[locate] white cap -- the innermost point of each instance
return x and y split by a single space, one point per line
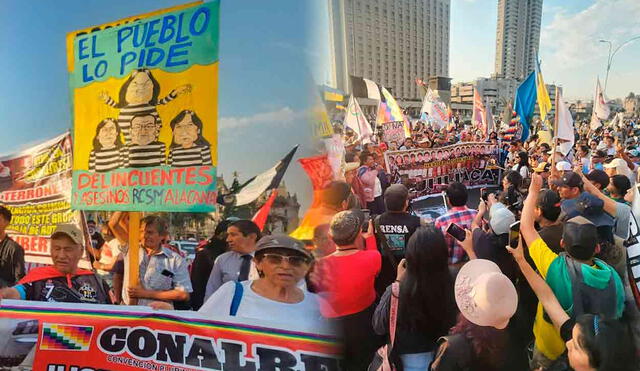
563 166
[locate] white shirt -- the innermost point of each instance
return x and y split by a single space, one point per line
109 254
300 315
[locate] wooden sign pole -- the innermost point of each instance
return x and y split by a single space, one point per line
134 252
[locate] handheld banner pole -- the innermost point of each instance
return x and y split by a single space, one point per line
134 253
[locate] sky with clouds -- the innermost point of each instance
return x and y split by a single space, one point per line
264 79
570 52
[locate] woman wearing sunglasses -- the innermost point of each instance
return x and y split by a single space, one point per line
282 262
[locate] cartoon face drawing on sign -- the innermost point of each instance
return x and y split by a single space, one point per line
139 95
145 149
188 146
106 154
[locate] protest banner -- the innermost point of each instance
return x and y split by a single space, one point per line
424 171
144 92
35 185
394 132
66 337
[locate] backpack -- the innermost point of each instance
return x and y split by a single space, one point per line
587 299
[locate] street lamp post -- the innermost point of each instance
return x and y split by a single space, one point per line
611 55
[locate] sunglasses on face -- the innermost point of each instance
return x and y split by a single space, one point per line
293 260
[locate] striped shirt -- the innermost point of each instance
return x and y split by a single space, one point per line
102 160
129 111
194 156
145 156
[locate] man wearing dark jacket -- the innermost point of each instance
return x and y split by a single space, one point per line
11 254
203 263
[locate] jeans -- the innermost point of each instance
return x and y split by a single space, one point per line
416 361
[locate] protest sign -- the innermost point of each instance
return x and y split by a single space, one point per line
144 93
424 171
35 185
394 132
65 337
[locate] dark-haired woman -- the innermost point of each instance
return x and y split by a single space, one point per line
511 195
426 305
139 95
188 146
106 154
593 343
522 167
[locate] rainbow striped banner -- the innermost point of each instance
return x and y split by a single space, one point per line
139 338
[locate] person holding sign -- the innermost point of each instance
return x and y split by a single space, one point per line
63 281
139 96
164 275
188 147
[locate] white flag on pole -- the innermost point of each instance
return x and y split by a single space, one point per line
565 126
600 106
595 121
355 120
435 108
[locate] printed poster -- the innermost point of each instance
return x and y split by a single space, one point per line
425 171
144 92
71 337
35 185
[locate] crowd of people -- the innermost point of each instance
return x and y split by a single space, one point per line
532 277
539 279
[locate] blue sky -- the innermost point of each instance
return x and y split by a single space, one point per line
264 79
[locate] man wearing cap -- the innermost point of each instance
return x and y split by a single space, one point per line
63 281
582 283
599 179
396 225
543 169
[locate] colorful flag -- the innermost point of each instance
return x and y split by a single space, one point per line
525 102
389 111
322 127
270 179
565 129
600 106
260 218
354 119
543 96
478 117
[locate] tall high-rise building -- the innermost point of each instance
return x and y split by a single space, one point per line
517 37
391 42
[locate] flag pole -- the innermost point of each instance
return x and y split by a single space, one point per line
134 253
555 132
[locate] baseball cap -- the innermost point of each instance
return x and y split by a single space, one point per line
580 237
549 204
569 179
599 177
634 153
589 207
69 230
615 163
282 241
542 167
500 218
563 166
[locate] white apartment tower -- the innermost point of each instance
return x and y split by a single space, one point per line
392 42
517 37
